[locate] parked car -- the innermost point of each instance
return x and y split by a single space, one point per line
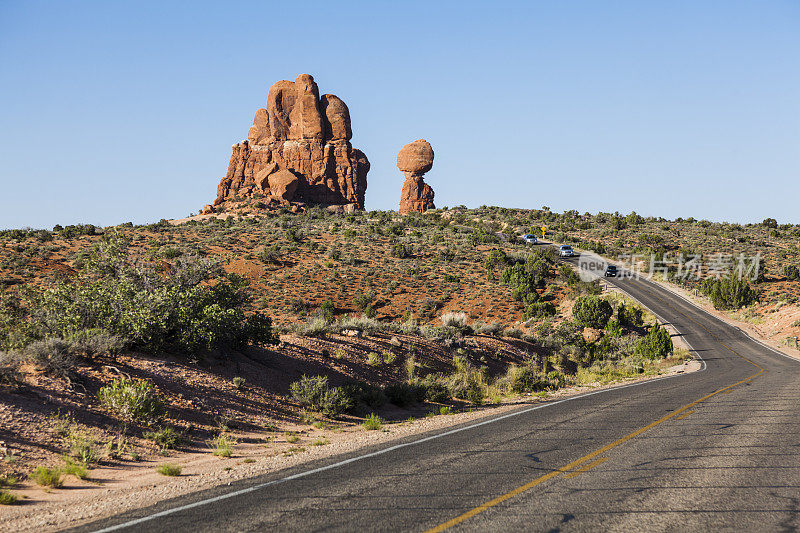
566 250
611 271
530 238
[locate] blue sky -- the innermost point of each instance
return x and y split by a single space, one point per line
114 111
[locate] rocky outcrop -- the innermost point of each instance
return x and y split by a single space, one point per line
297 150
414 160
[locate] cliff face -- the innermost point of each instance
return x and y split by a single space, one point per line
302 134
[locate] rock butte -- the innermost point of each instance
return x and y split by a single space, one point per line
297 152
414 160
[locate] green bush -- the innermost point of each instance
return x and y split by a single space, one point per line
48 477
166 438
436 391
327 310
222 445
592 312
656 344
6 498
366 393
315 393
402 251
372 422
729 293
169 469
174 310
791 272
134 400
405 394
630 316
540 310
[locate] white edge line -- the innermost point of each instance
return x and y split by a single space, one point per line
367 456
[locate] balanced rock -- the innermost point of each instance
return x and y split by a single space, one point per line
414 160
298 149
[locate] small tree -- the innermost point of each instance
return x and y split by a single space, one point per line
592 312
657 343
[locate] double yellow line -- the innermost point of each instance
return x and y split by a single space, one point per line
578 462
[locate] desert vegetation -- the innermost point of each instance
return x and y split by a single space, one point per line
152 337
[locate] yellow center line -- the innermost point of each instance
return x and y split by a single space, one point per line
585 468
684 415
588 457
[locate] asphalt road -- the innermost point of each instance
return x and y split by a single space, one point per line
714 449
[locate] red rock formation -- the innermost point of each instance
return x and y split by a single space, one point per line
414 160
303 135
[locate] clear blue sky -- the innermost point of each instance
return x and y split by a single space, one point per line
114 112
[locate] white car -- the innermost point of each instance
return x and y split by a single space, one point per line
530 238
566 250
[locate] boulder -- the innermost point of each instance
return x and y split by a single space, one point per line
283 184
414 160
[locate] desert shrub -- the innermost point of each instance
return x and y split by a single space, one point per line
522 379
155 310
455 320
222 445
363 300
75 468
372 422
657 343
48 477
327 310
467 382
791 272
6 498
402 251
568 274
729 293
436 391
52 355
429 306
366 393
361 323
405 394
169 469
770 223
134 400
94 341
315 327
592 312
165 438
9 366
490 328
315 393
540 310
374 359
630 316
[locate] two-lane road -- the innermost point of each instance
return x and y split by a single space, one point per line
714 449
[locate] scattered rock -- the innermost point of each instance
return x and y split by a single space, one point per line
414 160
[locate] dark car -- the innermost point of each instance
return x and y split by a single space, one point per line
611 271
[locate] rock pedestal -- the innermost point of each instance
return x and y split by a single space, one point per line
414 160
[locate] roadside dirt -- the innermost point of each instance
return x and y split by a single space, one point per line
113 490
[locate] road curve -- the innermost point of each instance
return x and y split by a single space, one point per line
715 449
